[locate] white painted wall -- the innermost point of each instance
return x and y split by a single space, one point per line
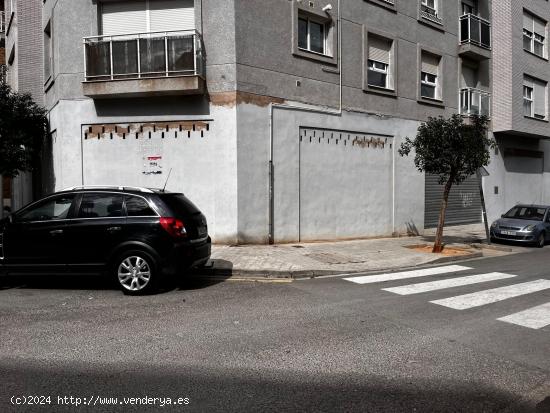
204 168
374 174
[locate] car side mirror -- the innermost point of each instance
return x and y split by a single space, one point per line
502 216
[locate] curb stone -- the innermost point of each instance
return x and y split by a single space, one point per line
305 274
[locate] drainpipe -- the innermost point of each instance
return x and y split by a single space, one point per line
283 106
393 187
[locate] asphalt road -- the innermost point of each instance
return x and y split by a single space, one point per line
313 345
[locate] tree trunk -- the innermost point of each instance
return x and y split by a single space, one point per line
438 246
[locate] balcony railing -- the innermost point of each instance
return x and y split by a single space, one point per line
430 13
475 102
475 30
143 55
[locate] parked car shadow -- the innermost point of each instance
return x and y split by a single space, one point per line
193 279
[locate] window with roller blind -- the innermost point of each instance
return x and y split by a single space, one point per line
430 78
380 65
534 34
535 98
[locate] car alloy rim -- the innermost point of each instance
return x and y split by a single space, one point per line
134 273
541 240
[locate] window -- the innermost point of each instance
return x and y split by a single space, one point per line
138 207
469 7
429 6
100 206
429 76
428 85
49 209
527 101
534 98
48 57
534 34
379 62
312 35
378 74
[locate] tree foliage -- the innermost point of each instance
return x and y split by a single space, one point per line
449 148
23 128
452 150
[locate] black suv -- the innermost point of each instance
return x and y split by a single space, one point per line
135 234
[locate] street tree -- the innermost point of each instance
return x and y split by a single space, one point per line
452 150
23 128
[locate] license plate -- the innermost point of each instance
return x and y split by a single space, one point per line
509 232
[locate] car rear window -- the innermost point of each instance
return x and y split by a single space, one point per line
180 204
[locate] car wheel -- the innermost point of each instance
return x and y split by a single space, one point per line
541 240
136 272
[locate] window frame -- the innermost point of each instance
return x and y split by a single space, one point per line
434 84
532 84
385 72
529 33
301 11
428 8
308 49
528 100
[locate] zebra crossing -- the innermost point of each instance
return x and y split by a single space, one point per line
534 318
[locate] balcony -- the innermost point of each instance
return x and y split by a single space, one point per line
144 64
475 102
475 37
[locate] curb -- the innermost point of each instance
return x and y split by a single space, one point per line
224 273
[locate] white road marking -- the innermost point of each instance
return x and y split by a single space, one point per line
536 317
480 298
448 283
370 279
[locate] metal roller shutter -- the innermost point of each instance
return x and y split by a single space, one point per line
430 63
379 49
464 202
141 16
167 15
123 17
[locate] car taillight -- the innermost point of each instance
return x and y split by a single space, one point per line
173 226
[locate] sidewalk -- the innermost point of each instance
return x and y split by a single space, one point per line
304 260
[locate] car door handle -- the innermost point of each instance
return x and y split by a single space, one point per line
56 232
113 229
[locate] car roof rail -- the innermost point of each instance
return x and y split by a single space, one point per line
120 188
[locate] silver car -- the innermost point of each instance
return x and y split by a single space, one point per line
528 224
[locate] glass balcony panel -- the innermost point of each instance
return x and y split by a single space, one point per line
475 102
485 34
152 56
475 30
485 105
98 61
464 29
181 55
125 59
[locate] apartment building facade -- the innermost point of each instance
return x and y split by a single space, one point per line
280 119
519 171
23 58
